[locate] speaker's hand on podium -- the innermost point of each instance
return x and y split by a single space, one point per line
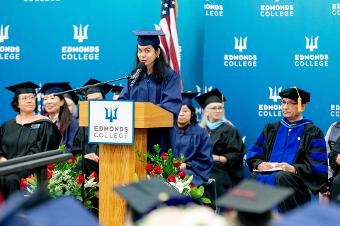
92 156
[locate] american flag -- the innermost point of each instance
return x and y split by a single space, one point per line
168 25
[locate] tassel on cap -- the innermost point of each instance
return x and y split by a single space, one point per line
299 100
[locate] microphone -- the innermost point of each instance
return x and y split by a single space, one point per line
140 67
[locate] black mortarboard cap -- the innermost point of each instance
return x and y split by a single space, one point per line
148 37
103 89
294 93
251 196
313 214
20 210
117 89
187 97
25 87
146 195
73 96
213 96
54 87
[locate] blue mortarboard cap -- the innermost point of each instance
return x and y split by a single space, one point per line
213 96
146 195
33 210
148 37
25 87
313 214
187 97
54 87
294 93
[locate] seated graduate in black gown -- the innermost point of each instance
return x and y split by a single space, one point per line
56 109
80 144
295 145
227 144
27 134
193 142
157 84
334 162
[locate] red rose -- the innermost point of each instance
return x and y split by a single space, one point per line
49 174
171 179
73 159
94 175
191 186
23 183
164 155
80 179
182 174
30 176
148 168
177 164
157 170
50 167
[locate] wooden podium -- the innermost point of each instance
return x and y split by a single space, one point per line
119 163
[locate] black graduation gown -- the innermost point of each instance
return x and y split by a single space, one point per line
310 161
20 140
81 146
335 151
166 94
226 141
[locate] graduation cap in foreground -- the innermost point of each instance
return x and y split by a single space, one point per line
187 97
253 201
148 37
25 87
103 88
117 89
146 195
313 214
35 210
213 96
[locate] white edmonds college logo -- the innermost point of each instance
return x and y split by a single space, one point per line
311 59
276 9
213 8
80 52
240 43
334 110
3 33
335 11
274 94
80 33
7 52
312 43
272 109
240 59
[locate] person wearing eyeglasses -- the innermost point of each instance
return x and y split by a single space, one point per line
27 134
292 152
227 144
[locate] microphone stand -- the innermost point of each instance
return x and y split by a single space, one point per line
80 89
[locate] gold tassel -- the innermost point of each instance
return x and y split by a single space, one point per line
299 104
222 100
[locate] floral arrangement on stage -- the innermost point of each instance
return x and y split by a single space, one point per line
168 167
64 179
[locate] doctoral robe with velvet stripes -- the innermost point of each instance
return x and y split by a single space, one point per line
300 144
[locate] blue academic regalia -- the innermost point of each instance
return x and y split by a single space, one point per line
195 145
300 144
165 94
69 134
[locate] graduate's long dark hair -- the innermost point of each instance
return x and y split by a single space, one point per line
160 65
64 116
193 119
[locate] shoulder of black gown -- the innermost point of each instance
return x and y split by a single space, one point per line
49 135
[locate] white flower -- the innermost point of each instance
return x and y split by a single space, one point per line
91 183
